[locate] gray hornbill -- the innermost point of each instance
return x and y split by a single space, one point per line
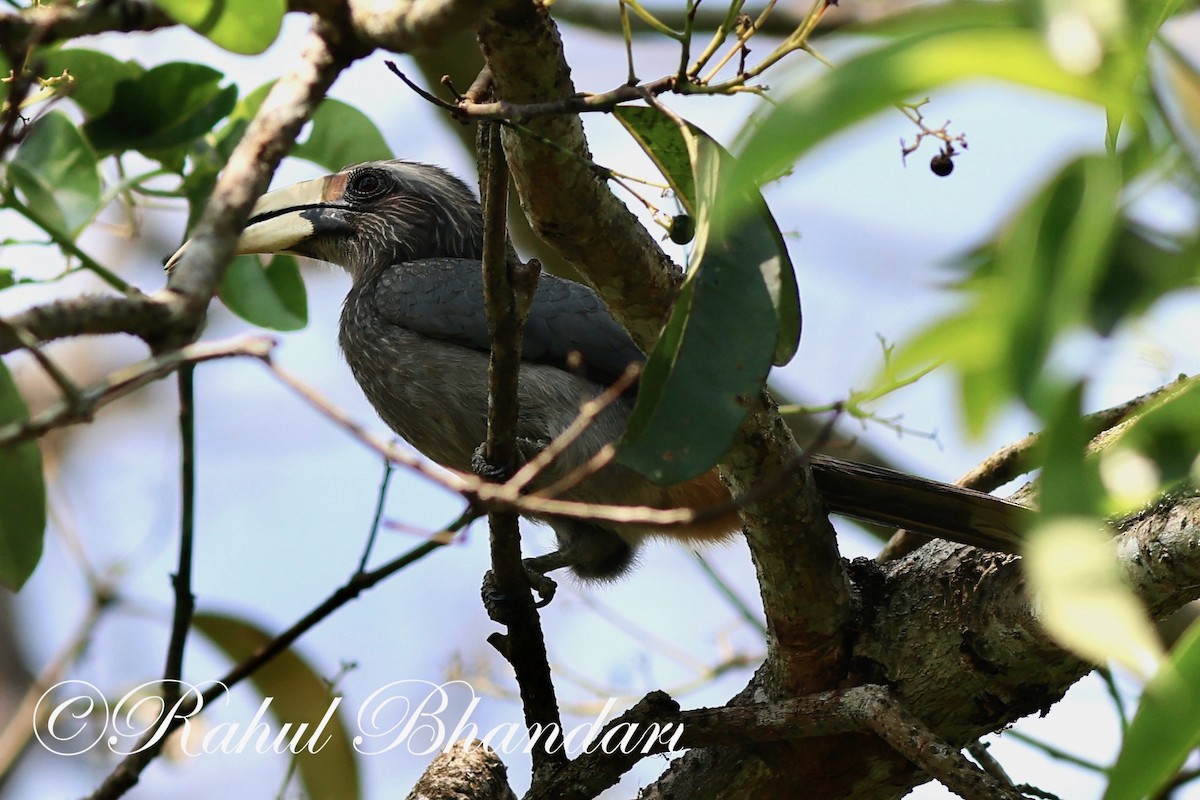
414 333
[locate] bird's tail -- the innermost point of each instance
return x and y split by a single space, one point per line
887 497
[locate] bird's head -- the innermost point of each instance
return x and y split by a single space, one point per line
367 217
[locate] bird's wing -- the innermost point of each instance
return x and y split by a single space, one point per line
443 298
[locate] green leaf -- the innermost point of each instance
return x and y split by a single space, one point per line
270 296
23 498
726 328
1166 727
162 110
298 696
1070 483
943 17
1083 598
95 75
240 26
57 172
659 136
675 150
899 72
340 134
7 278
1167 432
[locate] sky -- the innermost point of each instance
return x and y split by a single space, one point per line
285 499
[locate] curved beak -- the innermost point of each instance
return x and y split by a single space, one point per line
283 219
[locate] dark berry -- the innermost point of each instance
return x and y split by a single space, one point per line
683 229
942 165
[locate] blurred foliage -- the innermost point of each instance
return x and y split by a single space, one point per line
309 721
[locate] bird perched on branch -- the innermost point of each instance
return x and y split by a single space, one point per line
415 334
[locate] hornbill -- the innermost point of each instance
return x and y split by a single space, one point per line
414 332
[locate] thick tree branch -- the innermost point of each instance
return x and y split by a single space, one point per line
467 770
804 588
400 27
569 207
149 317
50 23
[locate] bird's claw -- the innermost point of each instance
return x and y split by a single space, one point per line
499 605
485 469
527 449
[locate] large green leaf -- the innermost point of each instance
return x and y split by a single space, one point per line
1166 727
241 26
95 75
270 296
737 312
298 696
22 495
57 172
943 17
163 110
901 71
661 139
339 133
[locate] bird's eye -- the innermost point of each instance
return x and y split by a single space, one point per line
367 183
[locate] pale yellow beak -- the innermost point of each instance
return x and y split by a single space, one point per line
277 222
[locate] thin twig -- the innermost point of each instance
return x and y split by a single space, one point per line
28 341
388 469
588 413
66 243
127 380
185 600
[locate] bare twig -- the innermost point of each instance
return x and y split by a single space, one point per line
388 469
70 391
127 380
16 733
492 496
185 600
588 413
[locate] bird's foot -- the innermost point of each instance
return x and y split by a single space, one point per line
485 469
499 605
527 449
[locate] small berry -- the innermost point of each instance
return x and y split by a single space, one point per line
942 164
683 229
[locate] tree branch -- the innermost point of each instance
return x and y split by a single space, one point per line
185 599
804 589
149 317
508 292
82 408
41 24
414 24
467 770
